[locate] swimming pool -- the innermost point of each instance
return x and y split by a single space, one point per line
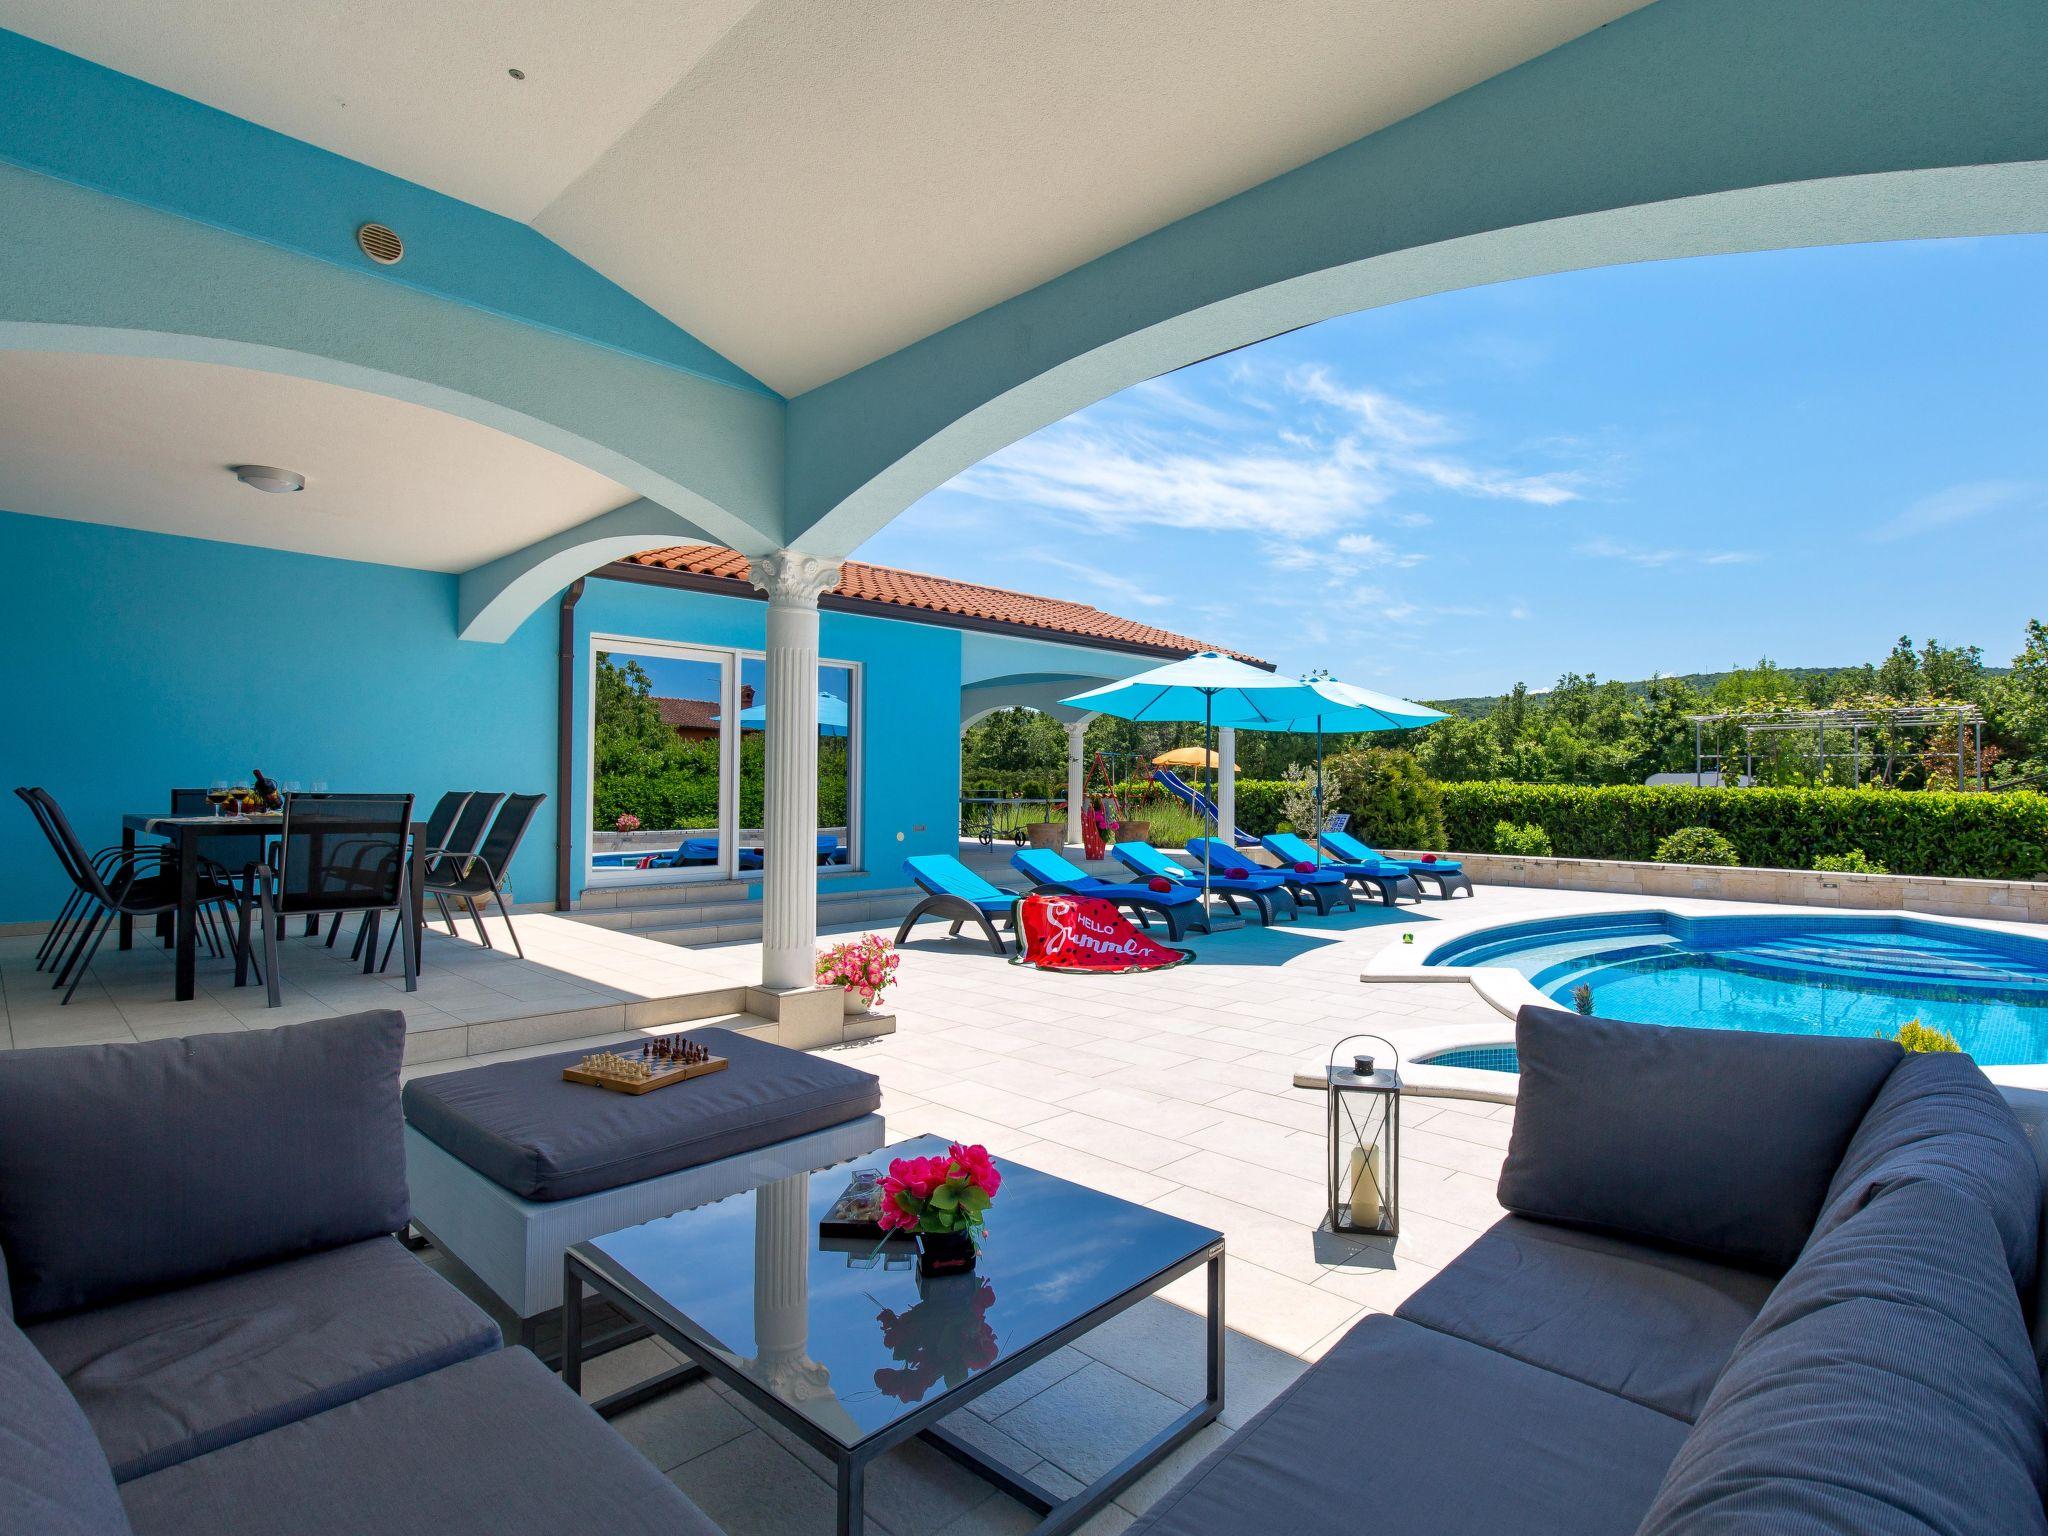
1807 975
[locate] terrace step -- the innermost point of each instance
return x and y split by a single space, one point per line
690 924
674 893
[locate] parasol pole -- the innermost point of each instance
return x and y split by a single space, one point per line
1317 837
1209 772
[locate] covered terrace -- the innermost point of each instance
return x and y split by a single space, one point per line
353 360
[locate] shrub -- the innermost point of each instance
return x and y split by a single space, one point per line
1922 832
1391 801
1697 845
1525 838
1915 1036
1298 797
1854 862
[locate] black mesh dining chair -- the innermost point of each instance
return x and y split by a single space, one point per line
440 828
469 878
111 884
336 853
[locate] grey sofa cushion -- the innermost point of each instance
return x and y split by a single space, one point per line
1888 1386
518 1124
169 1377
54 1479
1647 1323
1711 1139
494 1445
1403 1429
1938 1117
126 1169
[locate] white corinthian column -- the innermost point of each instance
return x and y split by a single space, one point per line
1077 775
789 809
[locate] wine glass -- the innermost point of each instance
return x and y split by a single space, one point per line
238 800
217 796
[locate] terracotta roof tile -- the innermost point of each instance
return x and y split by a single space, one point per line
941 594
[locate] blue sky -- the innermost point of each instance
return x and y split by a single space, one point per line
1672 467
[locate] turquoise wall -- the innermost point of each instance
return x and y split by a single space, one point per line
139 661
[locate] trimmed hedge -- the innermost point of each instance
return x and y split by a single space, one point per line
1920 832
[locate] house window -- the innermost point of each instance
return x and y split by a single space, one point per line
676 762
838 758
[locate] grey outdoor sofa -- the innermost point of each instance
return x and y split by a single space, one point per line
1751 1284
208 1326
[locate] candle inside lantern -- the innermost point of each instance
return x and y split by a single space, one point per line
1364 1186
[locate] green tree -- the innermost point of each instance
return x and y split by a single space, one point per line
1898 677
1456 751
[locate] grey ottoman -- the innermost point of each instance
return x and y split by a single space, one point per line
509 1165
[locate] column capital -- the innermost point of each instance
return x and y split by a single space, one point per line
793 579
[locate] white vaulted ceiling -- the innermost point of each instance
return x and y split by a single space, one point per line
807 185
148 443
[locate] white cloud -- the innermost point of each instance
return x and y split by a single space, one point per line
1603 548
1122 588
1119 469
1129 479
1377 415
1959 503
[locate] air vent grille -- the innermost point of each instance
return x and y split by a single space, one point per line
381 245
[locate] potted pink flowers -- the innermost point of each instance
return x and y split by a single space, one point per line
865 967
942 1202
627 822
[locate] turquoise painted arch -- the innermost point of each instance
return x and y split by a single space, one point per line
1687 128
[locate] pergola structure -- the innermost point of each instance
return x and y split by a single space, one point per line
1874 731
526 296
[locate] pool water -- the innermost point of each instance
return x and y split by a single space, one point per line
1802 975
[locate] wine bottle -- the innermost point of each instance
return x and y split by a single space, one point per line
264 787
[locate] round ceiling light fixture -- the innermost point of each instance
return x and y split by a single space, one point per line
380 243
268 477
516 74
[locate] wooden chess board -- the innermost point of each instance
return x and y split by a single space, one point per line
632 1073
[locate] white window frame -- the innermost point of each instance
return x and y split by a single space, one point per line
729 660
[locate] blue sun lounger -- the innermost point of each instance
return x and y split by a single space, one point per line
954 891
1053 874
1324 888
1447 875
1264 891
1389 881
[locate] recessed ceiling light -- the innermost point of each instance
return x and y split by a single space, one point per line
268 477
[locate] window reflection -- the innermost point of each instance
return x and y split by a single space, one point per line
838 710
655 761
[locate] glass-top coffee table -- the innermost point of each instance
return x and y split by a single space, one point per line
840 1341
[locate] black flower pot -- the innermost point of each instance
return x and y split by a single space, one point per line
945 1253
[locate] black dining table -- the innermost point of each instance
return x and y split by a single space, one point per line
186 831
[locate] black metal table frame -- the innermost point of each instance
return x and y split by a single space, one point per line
585 1268
186 831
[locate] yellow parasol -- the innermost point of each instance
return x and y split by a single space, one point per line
1187 757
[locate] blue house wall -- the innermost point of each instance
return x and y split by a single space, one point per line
135 662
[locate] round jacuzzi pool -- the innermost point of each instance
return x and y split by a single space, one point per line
1808 975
